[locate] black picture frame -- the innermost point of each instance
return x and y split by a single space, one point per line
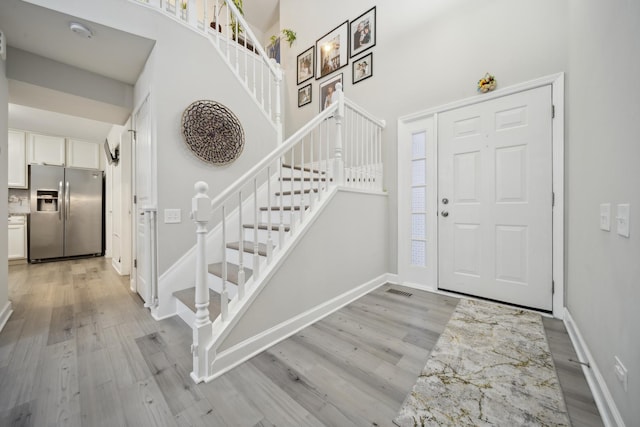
324 92
332 51
362 32
305 94
306 65
362 68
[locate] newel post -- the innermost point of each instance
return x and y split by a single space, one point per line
202 332
338 162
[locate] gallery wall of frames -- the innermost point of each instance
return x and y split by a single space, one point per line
351 41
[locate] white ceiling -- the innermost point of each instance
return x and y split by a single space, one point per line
262 14
110 52
57 124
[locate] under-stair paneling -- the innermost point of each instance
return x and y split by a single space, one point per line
347 246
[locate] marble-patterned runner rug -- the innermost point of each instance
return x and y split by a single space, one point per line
490 367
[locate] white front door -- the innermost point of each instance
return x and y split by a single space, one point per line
495 199
144 198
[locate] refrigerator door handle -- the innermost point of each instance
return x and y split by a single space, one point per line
67 207
59 204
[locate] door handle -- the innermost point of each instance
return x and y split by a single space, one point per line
58 201
67 193
445 214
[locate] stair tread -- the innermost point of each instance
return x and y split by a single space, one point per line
306 178
288 193
265 226
232 271
249 247
306 169
285 208
188 298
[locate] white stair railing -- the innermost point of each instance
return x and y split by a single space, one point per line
236 43
341 146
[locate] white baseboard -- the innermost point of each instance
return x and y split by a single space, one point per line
245 350
5 313
606 405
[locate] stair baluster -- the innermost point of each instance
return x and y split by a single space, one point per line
224 296
256 254
269 225
241 276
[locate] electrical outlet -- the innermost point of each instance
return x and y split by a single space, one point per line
621 373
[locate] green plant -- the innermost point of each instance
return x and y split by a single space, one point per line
183 5
235 27
289 36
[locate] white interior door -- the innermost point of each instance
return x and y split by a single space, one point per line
144 198
495 199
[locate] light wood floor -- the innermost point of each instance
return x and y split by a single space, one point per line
80 350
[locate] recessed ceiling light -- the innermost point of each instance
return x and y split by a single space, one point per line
80 30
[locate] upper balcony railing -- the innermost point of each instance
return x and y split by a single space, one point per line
231 35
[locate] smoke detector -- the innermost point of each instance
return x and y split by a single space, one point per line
80 30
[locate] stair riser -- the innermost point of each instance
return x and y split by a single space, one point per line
296 185
298 199
215 283
275 217
286 172
233 256
262 236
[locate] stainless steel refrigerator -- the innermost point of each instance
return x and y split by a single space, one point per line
66 218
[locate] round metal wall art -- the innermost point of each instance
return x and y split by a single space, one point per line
212 132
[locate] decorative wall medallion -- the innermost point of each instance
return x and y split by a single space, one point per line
212 132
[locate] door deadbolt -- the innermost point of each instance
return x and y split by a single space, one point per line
445 200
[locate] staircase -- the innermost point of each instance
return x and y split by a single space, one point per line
263 216
300 187
258 220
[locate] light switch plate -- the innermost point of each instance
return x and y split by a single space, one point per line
623 215
605 216
172 216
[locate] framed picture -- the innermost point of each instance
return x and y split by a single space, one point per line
304 95
362 68
363 32
328 91
305 65
332 50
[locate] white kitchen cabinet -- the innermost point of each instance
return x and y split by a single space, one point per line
17 237
83 154
17 155
44 149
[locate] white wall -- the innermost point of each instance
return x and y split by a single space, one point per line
429 53
603 152
182 68
4 100
346 247
178 168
